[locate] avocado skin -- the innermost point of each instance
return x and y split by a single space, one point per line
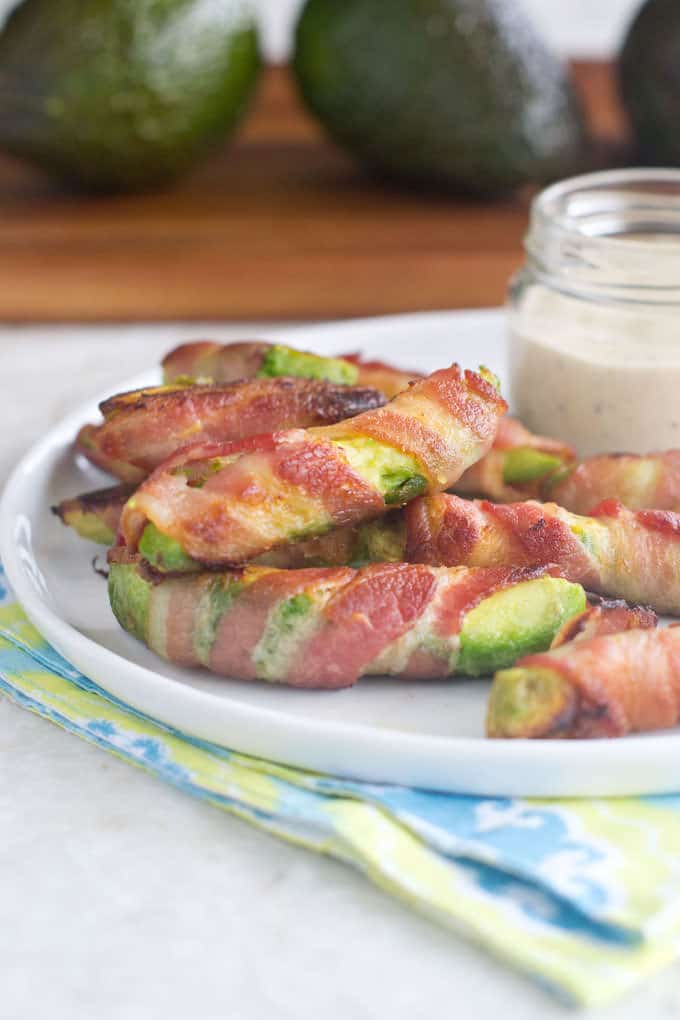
119 95
457 94
649 80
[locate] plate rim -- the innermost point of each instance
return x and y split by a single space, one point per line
481 754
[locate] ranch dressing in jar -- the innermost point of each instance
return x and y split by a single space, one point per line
595 313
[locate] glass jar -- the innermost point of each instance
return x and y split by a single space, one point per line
595 313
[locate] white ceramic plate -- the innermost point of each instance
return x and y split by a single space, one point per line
424 734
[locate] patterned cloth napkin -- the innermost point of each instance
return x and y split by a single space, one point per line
582 895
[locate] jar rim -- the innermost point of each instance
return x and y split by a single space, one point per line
550 208
613 233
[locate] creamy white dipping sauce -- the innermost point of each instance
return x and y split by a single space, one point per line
594 317
606 379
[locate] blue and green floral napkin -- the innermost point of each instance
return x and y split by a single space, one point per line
583 895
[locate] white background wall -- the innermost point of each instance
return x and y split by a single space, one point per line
577 27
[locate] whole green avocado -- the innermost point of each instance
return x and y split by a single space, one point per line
649 77
458 94
123 94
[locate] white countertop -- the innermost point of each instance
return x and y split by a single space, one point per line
123 899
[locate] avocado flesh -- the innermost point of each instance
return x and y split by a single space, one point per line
165 554
459 94
130 597
94 515
531 702
395 474
381 541
524 464
280 360
123 94
218 600
516 621
281 636
89 526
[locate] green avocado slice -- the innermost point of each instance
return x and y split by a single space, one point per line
165 554
281 636
530 702
217 601
130 598
525 464
396 475
94 515
516 621
381 541
280 360
89 526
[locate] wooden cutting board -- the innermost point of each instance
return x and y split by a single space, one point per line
278 225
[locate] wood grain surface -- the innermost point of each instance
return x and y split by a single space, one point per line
278 225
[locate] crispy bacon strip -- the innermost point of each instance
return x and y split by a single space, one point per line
141 429
386 378
326 628
604 687
208 359
652 481
228 362
605 617
615 551
227 503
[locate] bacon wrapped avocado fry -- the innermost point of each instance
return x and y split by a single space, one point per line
608 686
328 627
143 428
253 358
634 555
639 482
224 504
